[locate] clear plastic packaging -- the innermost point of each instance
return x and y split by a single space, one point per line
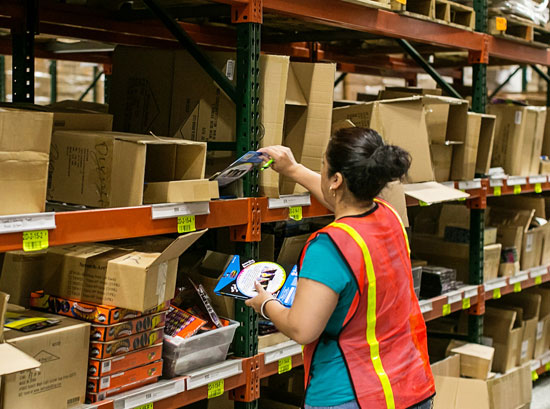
184 355
529 9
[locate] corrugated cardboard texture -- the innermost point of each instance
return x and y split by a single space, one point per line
502 327
24 153
465 154
441 161
475 360
62 351
486 142
179 191
21 274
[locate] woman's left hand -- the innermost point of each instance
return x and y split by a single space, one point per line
257 301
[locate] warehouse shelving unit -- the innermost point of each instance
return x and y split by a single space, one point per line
237 24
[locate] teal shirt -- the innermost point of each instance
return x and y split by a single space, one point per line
330 382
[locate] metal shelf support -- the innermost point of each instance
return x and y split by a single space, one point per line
23 32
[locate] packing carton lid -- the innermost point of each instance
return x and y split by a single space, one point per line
433 192
135 138
449 366
500 216
294 93
12 360
179 245
475 350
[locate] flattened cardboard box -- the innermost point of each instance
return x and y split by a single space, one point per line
61 381
122 278
109 169
24 154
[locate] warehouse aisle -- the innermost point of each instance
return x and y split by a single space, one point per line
541 394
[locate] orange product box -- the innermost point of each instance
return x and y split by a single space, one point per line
94 313
116 380
97 367
125 329
102 350
96 397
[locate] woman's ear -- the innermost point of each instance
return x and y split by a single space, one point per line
336 180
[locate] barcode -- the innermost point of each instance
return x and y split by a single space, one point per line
106 366
105 382
230 70
34 244
73 400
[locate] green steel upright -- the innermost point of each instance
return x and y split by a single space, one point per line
477 216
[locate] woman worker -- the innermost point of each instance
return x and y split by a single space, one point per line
355 309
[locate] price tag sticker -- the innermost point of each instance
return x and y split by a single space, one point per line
496 294
186 224
538 188
497 191
295 213
538 280
446 309
466 303
404 2
285 365
146 406
534 376
215 389
517 189
501 23
517 287
35 240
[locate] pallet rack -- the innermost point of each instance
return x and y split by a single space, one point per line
238 24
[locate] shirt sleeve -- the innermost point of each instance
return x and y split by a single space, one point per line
324 263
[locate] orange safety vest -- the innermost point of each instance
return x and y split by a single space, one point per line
383 339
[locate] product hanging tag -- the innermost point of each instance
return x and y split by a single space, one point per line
517 287
501 23
497 191
186 224
295 213
35 240
517 189
538 188
285 365
466 303
215 389
446 309
538 280
496 294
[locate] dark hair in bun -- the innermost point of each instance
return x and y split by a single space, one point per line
366 163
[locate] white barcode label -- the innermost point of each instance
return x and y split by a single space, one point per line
540 328
524 348
426 306
105 382
518 117
230 70
106 366
529 244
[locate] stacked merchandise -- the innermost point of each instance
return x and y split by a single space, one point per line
125 345
437 281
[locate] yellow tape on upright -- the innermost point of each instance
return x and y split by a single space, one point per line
371 314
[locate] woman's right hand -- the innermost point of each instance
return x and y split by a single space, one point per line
283 159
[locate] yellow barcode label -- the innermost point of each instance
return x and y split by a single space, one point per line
517 189
534 376
446 309
285 365
538 188
466 303
215 389
146 406
35 240
496 294
501 23
186 224
295 212
517 287
422 203
547 367
538 280
497 191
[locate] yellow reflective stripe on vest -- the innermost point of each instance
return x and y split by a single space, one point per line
371 314
400 222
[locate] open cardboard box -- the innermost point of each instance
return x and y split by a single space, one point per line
110 169
542 342
506 333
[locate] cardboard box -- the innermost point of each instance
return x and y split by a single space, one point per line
96 397
199 190
485 145
509 391
94 313
21 274
106 333
542 341
61 381
109 276
103 350
546 139
99 384
24 154
506 332
519 135
121 363
475 360
394 194
442 156
529 303
108 169
491 261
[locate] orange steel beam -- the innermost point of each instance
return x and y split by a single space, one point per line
516 52
274 215
112 224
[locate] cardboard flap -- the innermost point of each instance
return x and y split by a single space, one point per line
294 93
432 192
449 366
346 123
179 245
11 359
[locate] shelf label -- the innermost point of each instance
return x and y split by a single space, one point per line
285 365
539 271
501 23
517 189
446 310
470 184
425 306
538 179
495 182
496 283
215 389
171 210
466 303
27 222
538 280
517 287
523 276
146 406
496 294
186 224
538 188
497 191
295 213
35 240
516 181
455 296
289 201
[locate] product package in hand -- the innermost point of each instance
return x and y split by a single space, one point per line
238 280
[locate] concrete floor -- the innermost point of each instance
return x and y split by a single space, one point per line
541 393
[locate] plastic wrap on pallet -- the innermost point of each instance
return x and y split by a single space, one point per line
529 9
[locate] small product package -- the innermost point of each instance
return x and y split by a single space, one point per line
238 281
102 350
238 169
121 363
